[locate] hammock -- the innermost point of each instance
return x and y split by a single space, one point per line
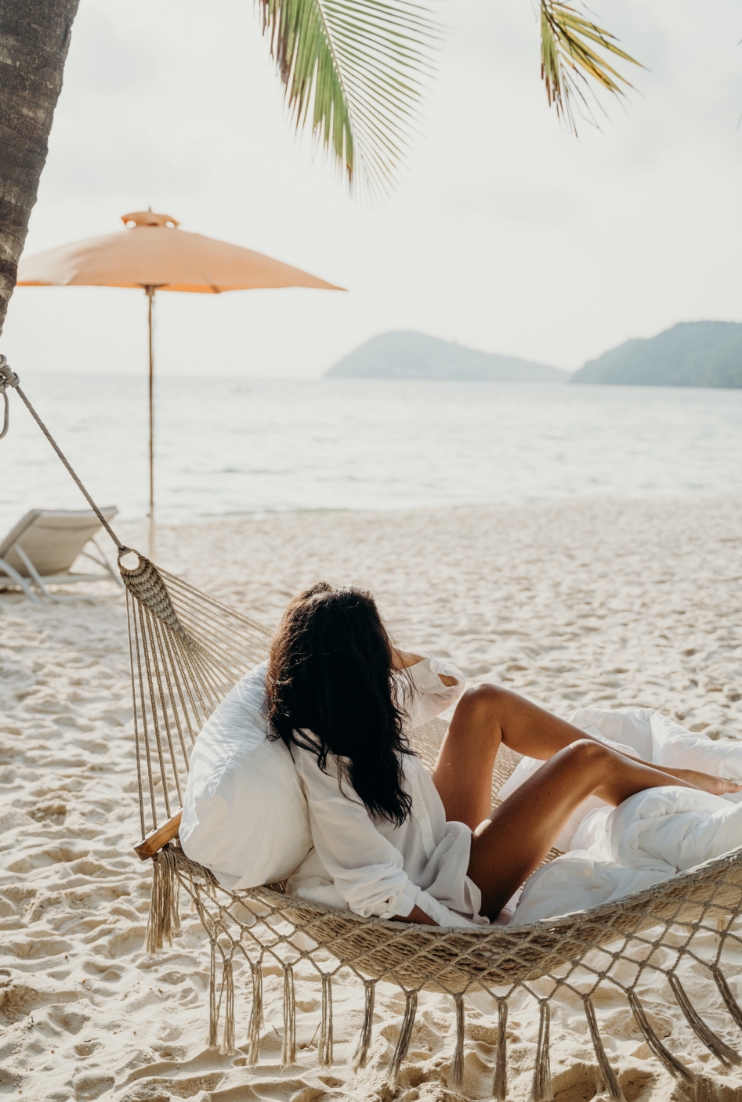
187 651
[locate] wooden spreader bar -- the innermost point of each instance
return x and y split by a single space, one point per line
156 839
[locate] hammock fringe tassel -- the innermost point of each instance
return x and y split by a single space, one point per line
213 1006
610 1082
726 993
164 908
227 1047
673 1065
500 1081
456 1073
712 1041
542 1090
324 1056
403 1041
226 997
288 1049
256 1014
364 1041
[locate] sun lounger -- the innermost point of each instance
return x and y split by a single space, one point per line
42 548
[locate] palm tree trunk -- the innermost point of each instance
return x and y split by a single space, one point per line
34 39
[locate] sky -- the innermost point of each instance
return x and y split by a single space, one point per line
505 232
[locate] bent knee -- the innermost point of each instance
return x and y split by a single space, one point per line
482 700
585 752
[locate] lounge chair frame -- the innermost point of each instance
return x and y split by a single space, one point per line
11 576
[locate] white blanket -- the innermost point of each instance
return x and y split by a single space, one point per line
612 852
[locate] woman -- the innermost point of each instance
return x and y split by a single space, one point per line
388 839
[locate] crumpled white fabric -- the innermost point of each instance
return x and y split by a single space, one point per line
649 837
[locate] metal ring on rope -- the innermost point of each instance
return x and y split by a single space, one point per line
133 569
6 416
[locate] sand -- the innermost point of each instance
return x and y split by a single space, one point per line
593 602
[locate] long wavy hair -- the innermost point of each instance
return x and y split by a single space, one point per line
330 689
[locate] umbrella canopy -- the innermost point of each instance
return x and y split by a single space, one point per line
152 254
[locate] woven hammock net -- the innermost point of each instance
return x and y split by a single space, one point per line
187 651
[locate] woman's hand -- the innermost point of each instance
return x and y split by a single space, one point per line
401 659
416 915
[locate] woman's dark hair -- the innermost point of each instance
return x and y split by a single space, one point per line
330 690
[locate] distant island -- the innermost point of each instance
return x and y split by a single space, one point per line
692 353
408 355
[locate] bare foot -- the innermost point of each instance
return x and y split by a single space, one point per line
717 786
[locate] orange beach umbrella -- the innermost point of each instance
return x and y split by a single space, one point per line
154 255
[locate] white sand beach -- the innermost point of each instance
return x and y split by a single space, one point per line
593 602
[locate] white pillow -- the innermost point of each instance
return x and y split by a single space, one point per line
244 815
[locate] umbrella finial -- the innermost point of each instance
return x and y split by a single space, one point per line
148 218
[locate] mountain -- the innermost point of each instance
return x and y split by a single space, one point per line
406 355
693 353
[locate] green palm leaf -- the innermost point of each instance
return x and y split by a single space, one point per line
571 64
354 70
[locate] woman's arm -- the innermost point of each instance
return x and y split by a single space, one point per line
425 686
402 660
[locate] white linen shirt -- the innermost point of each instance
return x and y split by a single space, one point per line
371 866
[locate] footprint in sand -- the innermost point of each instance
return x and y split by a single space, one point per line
88 1087
71 1021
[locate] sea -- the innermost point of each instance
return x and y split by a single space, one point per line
239 447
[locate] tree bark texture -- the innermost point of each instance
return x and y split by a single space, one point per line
34 40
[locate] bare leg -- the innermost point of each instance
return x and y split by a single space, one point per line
518 834
487 716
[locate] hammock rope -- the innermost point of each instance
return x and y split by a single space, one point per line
187 650
8 378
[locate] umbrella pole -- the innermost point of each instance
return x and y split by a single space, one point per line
150 293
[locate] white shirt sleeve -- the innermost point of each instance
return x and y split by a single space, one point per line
366 868
423 695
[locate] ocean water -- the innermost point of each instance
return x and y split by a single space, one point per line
235 447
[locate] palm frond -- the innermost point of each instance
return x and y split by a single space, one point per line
353 71
571 65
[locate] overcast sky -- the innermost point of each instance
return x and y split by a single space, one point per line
505 234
